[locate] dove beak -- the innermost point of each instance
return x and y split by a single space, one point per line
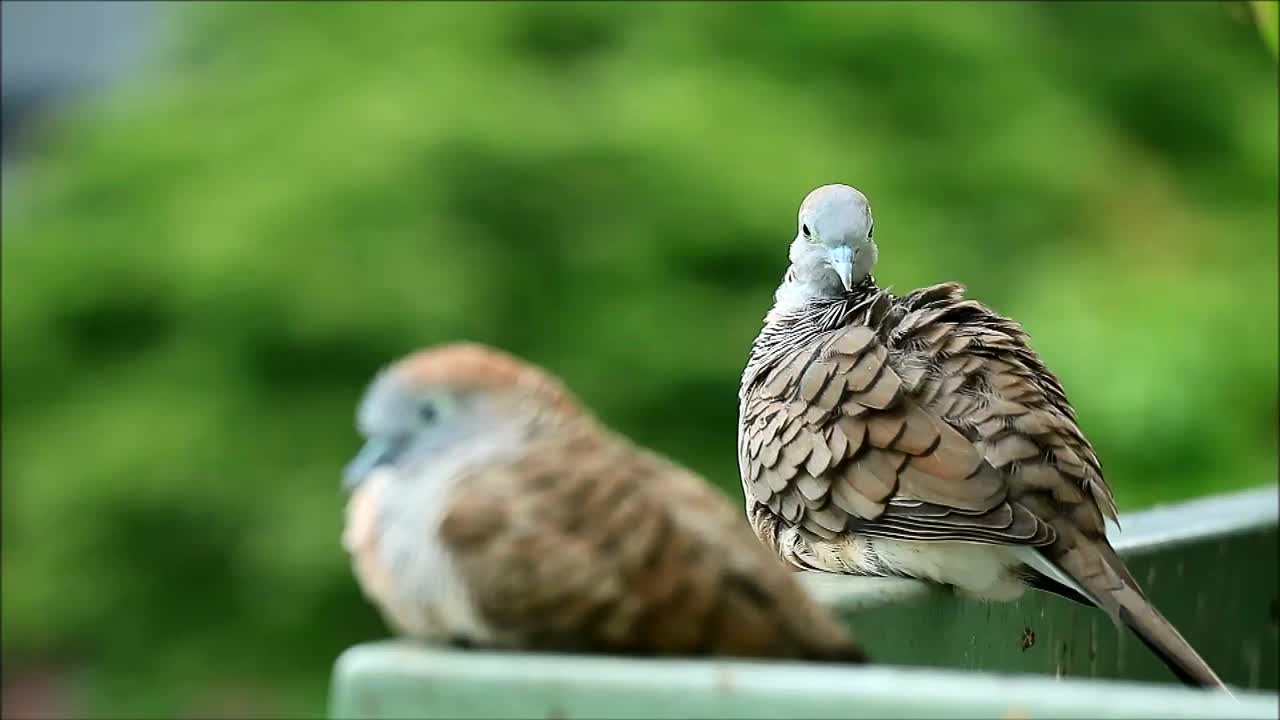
376 452
842 263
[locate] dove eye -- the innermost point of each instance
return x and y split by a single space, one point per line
805 229
428 412
871 230
435 407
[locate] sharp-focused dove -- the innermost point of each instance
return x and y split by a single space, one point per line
919 435
489 508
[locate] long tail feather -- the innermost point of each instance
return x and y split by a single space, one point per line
1164 640
1095 571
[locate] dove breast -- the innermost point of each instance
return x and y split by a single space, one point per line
393 536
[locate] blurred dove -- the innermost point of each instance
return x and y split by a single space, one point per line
921 436
489 508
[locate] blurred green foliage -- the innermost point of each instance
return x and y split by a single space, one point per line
205 267
1267 15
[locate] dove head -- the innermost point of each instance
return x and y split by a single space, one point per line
833 250
454 403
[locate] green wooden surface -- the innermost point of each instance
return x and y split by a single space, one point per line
400 680
1210 565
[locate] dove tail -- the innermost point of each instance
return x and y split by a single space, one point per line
1164 640
1114 590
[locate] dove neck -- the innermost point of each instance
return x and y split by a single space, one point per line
801 286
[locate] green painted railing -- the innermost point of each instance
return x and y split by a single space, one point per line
1210 565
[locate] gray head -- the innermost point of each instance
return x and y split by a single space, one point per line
833 250
452 404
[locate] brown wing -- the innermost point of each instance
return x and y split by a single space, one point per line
987 382
923 423
593 545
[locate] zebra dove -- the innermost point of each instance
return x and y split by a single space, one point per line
921 436
489 508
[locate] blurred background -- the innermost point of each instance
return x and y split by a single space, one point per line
221 219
